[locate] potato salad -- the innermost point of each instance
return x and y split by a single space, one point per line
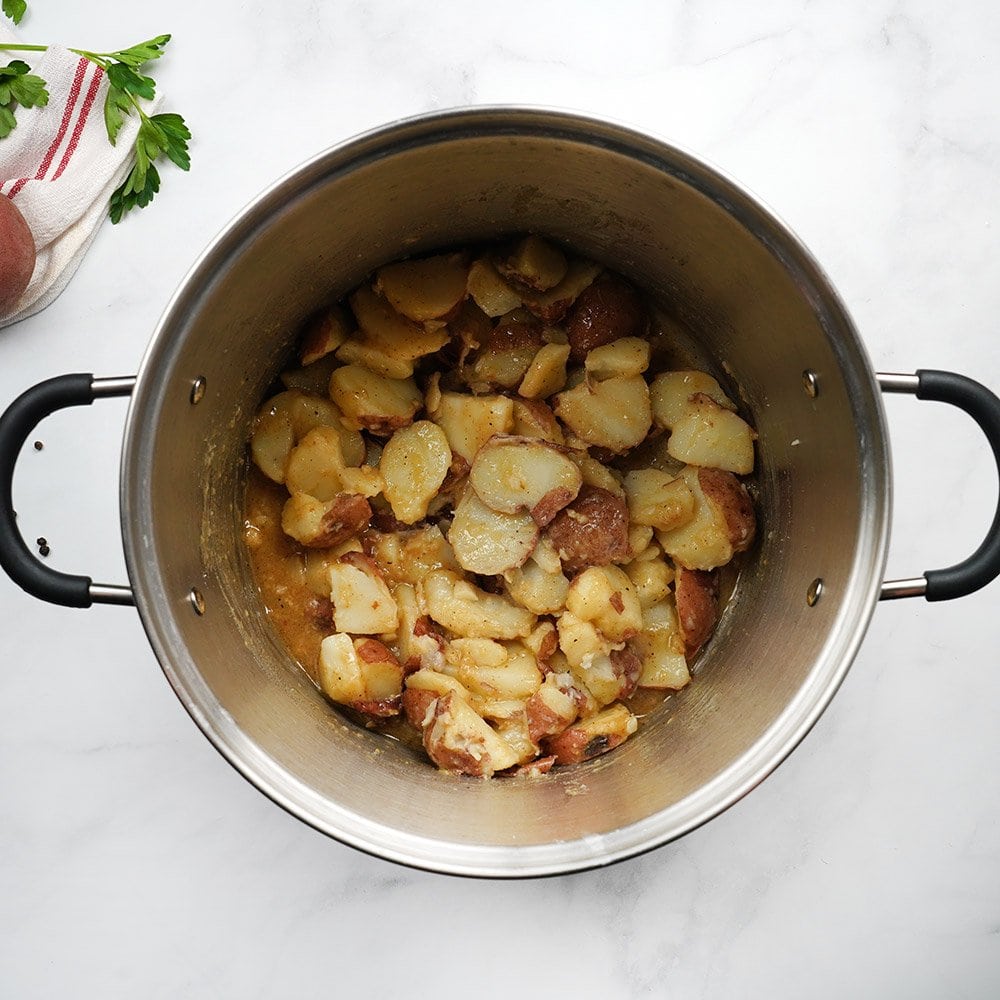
488 509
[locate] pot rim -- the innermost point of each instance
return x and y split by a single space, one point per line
158 610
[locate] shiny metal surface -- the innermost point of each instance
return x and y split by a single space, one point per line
122 385
892 590
897 382
721 264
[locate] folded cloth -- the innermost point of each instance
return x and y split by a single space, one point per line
59 169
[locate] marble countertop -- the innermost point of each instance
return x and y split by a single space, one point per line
137 863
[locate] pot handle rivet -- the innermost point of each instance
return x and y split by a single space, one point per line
815 592
198 390
197 601
810 383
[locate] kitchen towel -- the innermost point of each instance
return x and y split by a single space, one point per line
59 169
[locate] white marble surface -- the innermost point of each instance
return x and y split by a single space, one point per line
136 863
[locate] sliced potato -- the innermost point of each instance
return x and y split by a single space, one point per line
550 710
625 357
423 289
604 596
414 464
392 332
657 499
580 639
543 641
322 524
591 531
318 562
323 333
534 262
723 522
610 676
552 304
419 646
710 435
607 310
383 679
639 538
313 378
546 373
541 592
535 419
596 474
422 688
468 611
497 672
651 578
315 464
696 596
670 394
375 358
612 414
592 737
489 290
340 670
489 542
457 739
661 649
271 442
377 404
511 474
405 556
470 421
362 603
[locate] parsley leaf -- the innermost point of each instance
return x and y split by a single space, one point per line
125 78
144 52
15 9
18 86
117 104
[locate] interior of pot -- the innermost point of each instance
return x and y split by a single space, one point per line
717 261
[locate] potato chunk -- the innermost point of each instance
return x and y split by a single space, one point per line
492 670
488 542
723 522
361 600
670 394
457 739
419 646
534 419
390 331
550 710
405 556
651 578
470 421
591 531
604 596
553 304
375 358
414 464
607 310
489 290
377 404
468 611
592 737
323 333
612 414
534 262
424 289
422 688
511 474
696 595
541 592
547 372
628 356
322 524
657 499
709 435
660 649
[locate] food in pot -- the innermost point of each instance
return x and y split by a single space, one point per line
490 509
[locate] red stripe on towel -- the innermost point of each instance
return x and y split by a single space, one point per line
74 94
88 103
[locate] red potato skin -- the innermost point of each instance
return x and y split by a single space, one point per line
382 709
321 334
729 495
574 746
628 666
605 311
534 769
592 530
542 721
349 515
448 758
550 505
415 704
17 255
697 596
320 612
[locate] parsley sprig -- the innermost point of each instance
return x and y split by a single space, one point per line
18 86
160 135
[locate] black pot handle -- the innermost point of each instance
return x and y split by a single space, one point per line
983 406
17 422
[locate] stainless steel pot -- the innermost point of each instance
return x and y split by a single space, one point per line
677 227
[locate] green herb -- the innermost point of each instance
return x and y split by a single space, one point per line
15 9
158 136
18 86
